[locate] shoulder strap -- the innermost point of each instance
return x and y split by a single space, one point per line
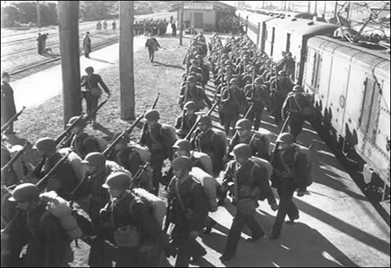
176 190
297 103
252 170
236 192
286 165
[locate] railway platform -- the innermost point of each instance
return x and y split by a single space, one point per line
338 226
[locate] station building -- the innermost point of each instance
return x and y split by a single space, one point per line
203 15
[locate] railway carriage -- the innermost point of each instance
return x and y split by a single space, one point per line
351 88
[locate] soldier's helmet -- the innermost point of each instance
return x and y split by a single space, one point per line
205 120
89 69
183 144
259 80
25 192
242 150
243 124
117 180
182 163
297 88
4 75
191 79
45 145
190 105
125 138
285 138
282 73
152 115
81 123
234 81
95 159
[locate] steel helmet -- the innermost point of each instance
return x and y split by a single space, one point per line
117 180
45 145
95 159
242 150
282 72
190 105
125 138
243 124
234 81
259 80
205 120
74 119
25 192
183 144
182 163
297 88
152 115
285 138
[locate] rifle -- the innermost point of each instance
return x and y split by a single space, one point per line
40 185
277 143
128 131
193 128
8 123
65 136
137 177
13 159
144 128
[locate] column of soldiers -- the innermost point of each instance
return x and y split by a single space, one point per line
151 26
102 177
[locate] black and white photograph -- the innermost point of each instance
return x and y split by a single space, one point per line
195 133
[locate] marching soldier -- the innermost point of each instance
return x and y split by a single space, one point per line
258 94
297 105
233 103
185 122
289 174
192 92
47 243
126 211
188 211
259 147
64 179
210 142
281 85
156 138
247 183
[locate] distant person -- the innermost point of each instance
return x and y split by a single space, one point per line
92 90
40 43
105 25
152 45
8 108
173 27
114 24
87 45
99 26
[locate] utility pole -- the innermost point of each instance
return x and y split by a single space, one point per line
70 58
181 29
126 75
316 8
38 8
309 6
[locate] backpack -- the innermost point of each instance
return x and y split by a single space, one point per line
75 162
307 154
158 207
264 136
209 185
264 164
170 130
61 209
222 138
143 151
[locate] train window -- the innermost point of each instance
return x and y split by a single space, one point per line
370 109
316 68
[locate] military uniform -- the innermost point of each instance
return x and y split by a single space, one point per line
289 173
158 142
233 102
258 146
249 177
8 108
196 94
294 104
184 123
259 96
282 86
191 217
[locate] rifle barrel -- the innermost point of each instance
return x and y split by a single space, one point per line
41 182
14 158
196 123
8 123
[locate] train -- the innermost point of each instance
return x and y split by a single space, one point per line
349 84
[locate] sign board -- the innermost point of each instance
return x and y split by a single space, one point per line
192 5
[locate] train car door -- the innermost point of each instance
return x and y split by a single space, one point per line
337 92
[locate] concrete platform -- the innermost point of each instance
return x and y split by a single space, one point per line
338 226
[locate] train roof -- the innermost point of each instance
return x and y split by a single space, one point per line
374 59
254 17
303 27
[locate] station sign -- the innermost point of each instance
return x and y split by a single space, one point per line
193 5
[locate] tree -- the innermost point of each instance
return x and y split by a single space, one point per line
10 14
97 10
